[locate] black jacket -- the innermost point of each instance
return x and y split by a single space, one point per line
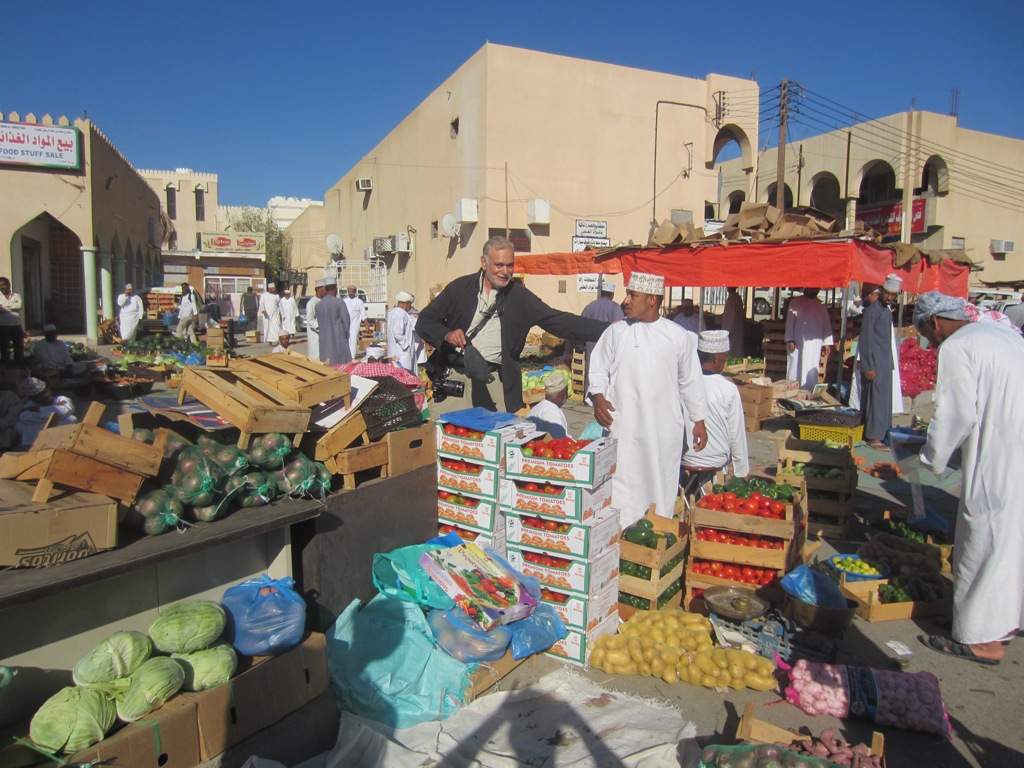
518 311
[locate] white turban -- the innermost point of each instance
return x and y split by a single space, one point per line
892 283
713 342
554 383
404 296
33 386
641 282
936 304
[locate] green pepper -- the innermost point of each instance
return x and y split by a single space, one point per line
718 488
635 534
628 568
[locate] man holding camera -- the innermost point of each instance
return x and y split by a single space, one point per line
478 326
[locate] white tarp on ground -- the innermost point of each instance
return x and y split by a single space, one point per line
561 720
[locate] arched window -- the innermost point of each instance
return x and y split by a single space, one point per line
787 196
934 178
878 184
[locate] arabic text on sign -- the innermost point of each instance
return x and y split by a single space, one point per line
591 228
589 243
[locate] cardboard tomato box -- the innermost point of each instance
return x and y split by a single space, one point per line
495 540
481 587
579 577
588 468
575 646
485 517
570 503
583 613
480 485
488 449
562 537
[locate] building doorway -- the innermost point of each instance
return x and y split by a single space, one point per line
32 283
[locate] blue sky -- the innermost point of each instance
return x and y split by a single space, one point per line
283 98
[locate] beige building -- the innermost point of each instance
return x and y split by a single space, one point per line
966 187
198 248
563 153
306 243
76 219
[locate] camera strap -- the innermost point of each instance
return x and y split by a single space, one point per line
484 318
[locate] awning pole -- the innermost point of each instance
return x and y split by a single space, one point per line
842 344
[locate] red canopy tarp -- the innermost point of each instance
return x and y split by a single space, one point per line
801 263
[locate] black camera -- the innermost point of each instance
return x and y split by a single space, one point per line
443 388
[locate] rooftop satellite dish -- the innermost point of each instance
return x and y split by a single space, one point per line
449 225
334 244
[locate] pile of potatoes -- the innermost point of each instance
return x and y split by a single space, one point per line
673 645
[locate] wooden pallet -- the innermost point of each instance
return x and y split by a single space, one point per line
305 381
85 457
245 402
351 461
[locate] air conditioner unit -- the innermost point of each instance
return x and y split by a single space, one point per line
382 245
364 185
538 211
1001 246
466 210
401 243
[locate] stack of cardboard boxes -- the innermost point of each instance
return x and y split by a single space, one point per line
562 529
469 470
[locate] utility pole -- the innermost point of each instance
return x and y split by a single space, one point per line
799 174
780 172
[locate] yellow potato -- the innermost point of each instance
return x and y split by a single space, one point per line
650 653
615 642
669 674
624 669
704 645
670 655
724 678
673 641
764 667
685 617
708 681
657 667
617 658
721 660
597 657
737 684
690 643
704 661
750 661
736 668
759 682
657 635
636 650
643 668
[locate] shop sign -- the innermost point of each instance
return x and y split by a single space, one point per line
41 146
887 218
236 242
589 243
591 228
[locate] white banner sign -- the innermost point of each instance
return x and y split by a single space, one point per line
48 146
591 228
589 283
589 243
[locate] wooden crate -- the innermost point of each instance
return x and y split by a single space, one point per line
871 607
245 402
698 582
762 732
792 451
305 381
86 457
351 461
655 559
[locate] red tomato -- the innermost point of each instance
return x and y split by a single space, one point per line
747 572
532 487
729 506
443 495
729 498
462 432
550 525
778 508
545 453
716 567
750 507
756 497
764 503
449 429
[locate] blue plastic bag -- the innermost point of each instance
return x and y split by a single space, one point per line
385 665
537 632
466 640
814 588
398 575
265 615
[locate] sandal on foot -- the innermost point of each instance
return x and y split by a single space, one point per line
878 444
951 647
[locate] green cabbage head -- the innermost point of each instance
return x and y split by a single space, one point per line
207 668
72 719
117 656
149 687
189 626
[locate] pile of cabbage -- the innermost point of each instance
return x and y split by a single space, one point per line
209 480
131 674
